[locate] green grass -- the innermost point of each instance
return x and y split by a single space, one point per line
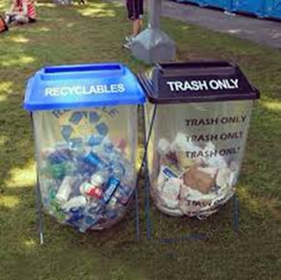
94 33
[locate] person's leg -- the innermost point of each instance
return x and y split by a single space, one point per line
9 17
137 23
130 12
138 16
136 30
21 19
135 12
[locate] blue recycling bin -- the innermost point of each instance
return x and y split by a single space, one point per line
85 120
272 8
249 6
222 4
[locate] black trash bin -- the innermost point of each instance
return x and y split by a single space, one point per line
198 115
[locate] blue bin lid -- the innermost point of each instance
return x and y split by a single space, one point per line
82 86
208 81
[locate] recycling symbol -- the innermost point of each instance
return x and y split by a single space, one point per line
75 125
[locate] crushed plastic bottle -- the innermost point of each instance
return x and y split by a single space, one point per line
87 184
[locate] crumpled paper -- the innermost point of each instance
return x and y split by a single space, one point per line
195 187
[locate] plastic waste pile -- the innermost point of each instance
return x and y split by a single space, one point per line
87 184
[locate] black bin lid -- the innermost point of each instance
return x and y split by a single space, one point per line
196 82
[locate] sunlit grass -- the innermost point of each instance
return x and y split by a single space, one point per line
19 39
260 205
2 98
22 177
21 60
3 4
30 243
272 105
44 29
5 87
9 201
3 139
46 5
254 204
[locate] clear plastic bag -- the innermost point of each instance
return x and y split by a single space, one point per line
195 154
86 163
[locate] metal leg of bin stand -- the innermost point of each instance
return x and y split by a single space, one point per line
38 201
147 204
39 212
137 217
146 175
143 164
136 193
236 213
136 197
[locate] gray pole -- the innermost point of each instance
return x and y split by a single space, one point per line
153 45
154 12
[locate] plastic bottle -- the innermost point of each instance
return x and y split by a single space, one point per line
90 190
112 185
123 194
64 190
92 214
74 203
130 173
93 189
75 216
100 177
95 160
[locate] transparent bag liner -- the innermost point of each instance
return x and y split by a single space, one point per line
86 164
195 154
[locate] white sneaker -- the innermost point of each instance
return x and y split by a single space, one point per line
129 38
128 45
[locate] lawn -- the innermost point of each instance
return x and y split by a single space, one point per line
94 33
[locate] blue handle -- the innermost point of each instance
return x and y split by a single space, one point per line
81 71
83 68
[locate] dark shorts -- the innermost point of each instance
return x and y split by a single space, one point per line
135 9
